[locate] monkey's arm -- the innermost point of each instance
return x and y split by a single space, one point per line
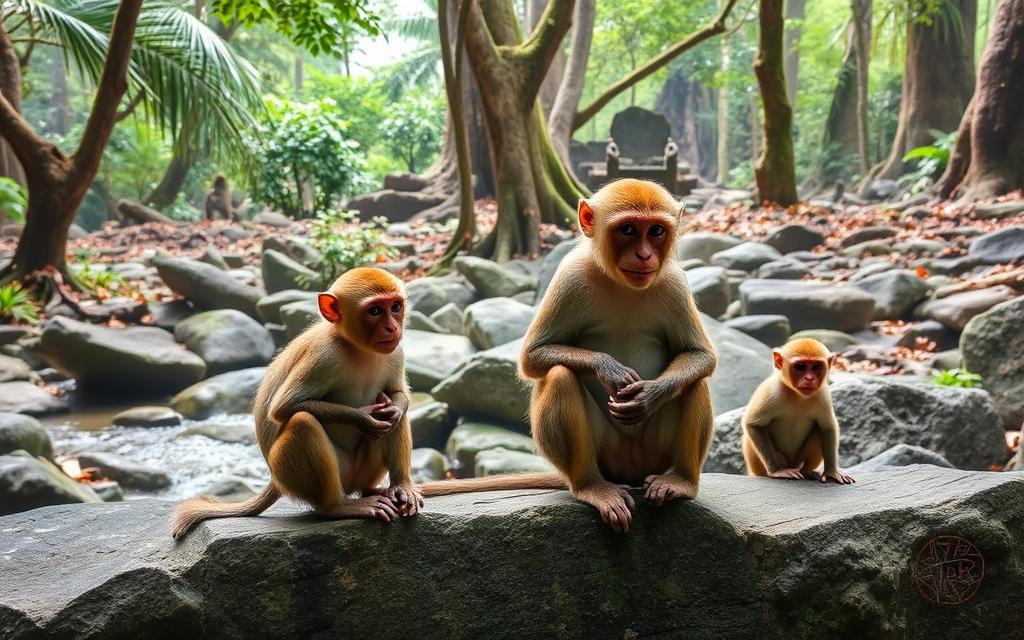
695 355
301 392
764 446
829 427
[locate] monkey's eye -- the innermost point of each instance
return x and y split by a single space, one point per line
656 231
818 368
628 230
800 367
375 310
396 307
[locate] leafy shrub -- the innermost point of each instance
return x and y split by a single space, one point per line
957 378
344 243
305 161
13 200
413 130
96 279
931 161
17 305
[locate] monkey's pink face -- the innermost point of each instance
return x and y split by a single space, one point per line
807 374
381 319
640 244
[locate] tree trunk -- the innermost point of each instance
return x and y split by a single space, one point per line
688 105
571 88
60 109
530 180
774 170
10 88
989 157
722 122
553 78
839 138
165 193
861 10
938 82
57 183
795 10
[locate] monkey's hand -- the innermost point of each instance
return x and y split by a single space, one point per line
795 473
375 422
613 374
636 403
837 477
407 498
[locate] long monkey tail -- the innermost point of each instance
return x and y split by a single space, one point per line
549 480
193 511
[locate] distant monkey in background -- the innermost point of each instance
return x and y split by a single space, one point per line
789 426
620 362
218 201
331 412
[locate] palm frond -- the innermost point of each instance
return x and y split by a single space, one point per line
417 69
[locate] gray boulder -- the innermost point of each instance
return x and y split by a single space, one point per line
24 432
12 369
470 438
431 357
282 273
206 286
269 307
416 320
929 331
877 412
488 384
124 471
495 321
710 286
549 264
993 345
226 340
901 455
428 465
790 238
751 557
25 397
449 318
836 341
147 417
493 280
745 257
501 461
785 269
431 424
299 316
743 362
167 315
429 294
895 292
230 392
809 305
866 234
702 245
133 360
28 483
773 330
956 310
998 247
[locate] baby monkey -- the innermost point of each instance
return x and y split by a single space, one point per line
789 427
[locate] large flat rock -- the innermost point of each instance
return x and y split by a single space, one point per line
751 557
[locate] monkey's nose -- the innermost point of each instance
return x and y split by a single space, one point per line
643 256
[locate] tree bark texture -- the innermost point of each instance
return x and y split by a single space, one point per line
938 82
839 141
553 78
861 10
691 110
571 88
989 157
774 170
795 11
10 88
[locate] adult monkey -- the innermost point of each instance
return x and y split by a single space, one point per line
218 201
620 360
331 412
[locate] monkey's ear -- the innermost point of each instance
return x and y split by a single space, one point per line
832 360
328 307
586 216
777 359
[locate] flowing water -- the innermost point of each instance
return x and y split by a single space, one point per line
194 462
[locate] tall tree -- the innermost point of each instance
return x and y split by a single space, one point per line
530 179
722 121
938 78
989 156
553 78
839 139
571 88
57 182
861 21
795 13
775 171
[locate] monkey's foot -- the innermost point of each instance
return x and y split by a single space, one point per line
612 502
812 475
371 508
406 497
668 486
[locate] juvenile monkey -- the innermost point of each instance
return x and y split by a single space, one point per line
789 427
620 362
331 412
218 201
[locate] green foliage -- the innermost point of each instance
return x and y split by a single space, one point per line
94 277
313 24
931 160
414 129
957 378
361 101
344 244
306 161
17 305
13 200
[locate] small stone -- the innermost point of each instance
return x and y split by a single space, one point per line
154 416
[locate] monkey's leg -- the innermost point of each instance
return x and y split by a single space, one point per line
755 467
566 427
810 455
687 434
304 464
